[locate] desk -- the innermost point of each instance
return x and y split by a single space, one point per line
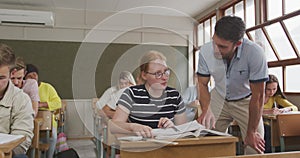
295 154
209 146
271 120
8 147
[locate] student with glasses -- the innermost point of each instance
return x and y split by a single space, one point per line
152 104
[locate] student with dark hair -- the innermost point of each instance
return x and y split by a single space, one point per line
15 106
239 68
49 100
275 103
275 100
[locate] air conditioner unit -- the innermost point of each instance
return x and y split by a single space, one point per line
26 17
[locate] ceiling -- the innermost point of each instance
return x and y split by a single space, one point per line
161 7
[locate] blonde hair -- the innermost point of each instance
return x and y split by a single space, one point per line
126 75
147 58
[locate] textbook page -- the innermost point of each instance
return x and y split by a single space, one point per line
6 138
190 129
187 127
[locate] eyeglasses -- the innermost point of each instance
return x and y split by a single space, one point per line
159 75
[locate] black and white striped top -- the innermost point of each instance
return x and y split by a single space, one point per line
147 110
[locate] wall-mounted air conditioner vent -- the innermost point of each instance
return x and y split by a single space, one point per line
26 17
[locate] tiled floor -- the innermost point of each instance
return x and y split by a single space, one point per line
85 147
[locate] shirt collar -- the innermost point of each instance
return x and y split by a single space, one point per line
239 51
7 98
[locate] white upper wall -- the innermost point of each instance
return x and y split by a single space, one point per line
107 27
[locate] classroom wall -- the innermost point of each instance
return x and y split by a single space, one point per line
295 99
84 52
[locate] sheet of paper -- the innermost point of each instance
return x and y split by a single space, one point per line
187 127
6 138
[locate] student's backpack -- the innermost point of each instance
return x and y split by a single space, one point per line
70 153
61 144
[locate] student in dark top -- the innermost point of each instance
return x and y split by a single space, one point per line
152 104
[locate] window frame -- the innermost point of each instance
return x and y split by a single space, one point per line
261 21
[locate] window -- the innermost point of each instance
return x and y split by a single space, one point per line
229 11
200 35
250 13
292 78
280 41
205 33
291 6
259 38
276 30
277 71
293 25
238 10
274 9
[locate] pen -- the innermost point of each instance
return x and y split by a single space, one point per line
275 104
173 127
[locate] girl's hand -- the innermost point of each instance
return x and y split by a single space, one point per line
164 122
141 130
284 110
276 111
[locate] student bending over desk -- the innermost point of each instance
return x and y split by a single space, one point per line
275 103
15 106
29 86
50 100
152 104
275 100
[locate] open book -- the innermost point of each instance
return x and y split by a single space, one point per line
190 129
6 138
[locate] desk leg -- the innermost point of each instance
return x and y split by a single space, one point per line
32 152
8 155
113 151
273 149
1 154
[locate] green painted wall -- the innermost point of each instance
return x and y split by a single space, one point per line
88 69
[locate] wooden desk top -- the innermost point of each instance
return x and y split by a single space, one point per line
270 116
7 147
274 117
294 154
208 146
181 142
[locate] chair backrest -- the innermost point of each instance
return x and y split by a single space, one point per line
288 125
1 154
60 114
36 131
46 116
